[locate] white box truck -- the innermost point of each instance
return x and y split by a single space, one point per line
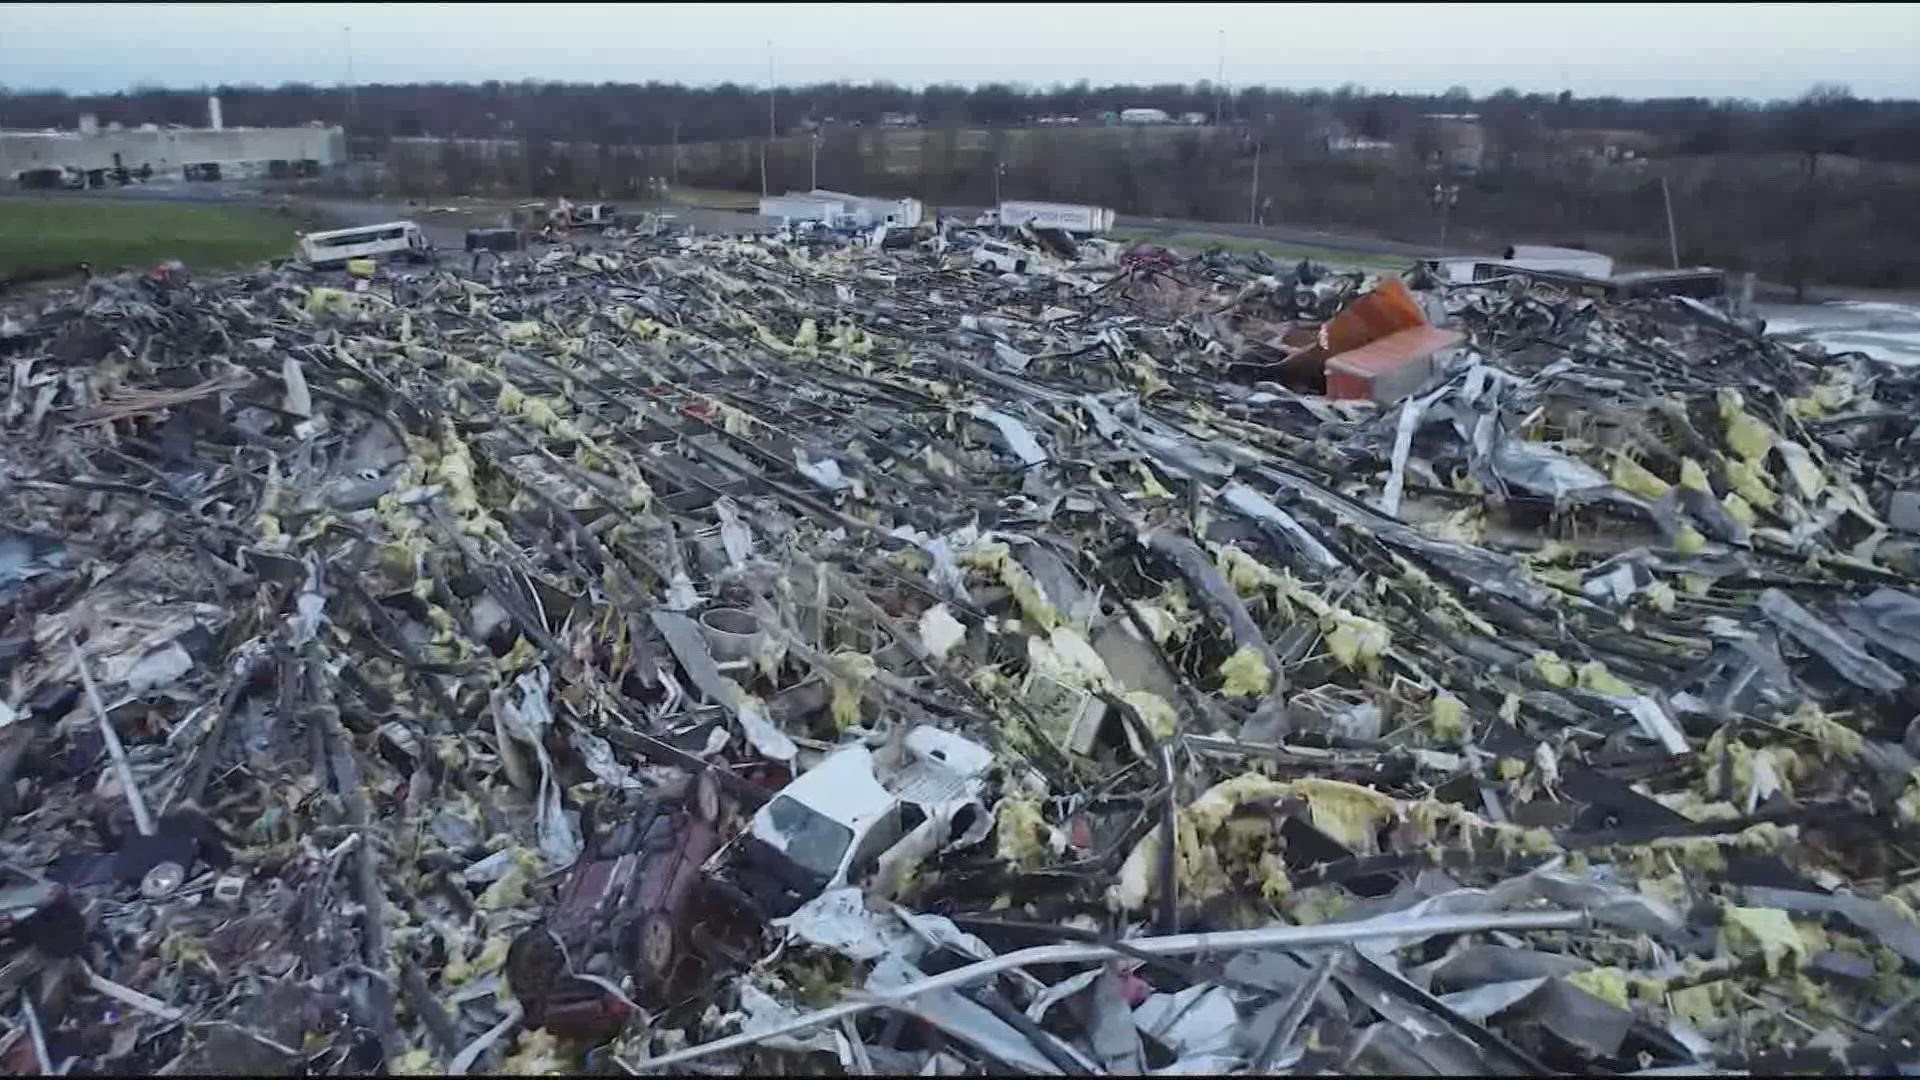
1073 218
904 212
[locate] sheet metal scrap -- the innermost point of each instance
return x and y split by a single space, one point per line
370 654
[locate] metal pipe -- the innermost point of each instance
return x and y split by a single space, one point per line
123 769
1272 937
1295 1013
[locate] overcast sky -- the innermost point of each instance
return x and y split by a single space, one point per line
1632 50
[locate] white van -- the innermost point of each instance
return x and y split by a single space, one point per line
336 246
1000 258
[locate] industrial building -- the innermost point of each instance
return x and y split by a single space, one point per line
93 156
1459 141
869 209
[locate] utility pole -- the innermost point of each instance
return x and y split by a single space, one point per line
1673 237
674 169
1446 197
999 170
767 147
353 91
813 165
1219 72
1253 196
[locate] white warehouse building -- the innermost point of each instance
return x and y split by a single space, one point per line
837 208
92 153
870 210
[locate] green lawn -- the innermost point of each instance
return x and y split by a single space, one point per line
50 236
715 198
1192 243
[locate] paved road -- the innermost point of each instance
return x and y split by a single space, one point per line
448 232
1886 330
1282 234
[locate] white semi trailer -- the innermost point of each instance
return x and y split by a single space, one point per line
1070 217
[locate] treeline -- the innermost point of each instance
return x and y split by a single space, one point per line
661 113
1844 222
1822 188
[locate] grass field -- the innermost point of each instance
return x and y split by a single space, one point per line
45 237
715 198
1192 243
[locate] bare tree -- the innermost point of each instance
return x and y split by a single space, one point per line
1817 125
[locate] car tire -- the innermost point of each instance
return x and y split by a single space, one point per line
656 948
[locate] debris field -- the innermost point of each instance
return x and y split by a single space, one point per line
732 656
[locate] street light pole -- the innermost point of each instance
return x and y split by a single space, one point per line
767 147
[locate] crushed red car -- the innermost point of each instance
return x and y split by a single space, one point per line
1147 257
621 912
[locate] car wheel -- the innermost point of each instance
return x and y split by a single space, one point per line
706 796
656 947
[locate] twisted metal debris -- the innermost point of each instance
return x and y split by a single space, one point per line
392 674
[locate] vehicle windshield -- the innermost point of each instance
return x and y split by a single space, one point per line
359 236
813 840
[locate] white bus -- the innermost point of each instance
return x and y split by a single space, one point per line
336 246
